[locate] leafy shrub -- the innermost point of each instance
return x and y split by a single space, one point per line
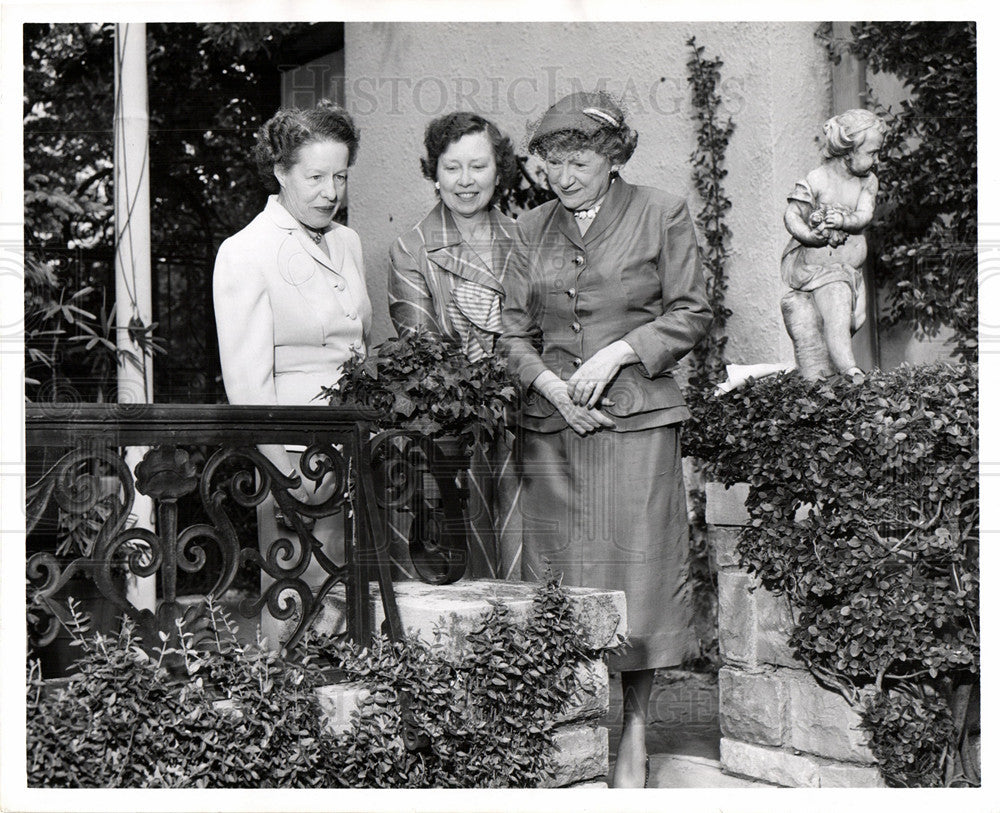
207 713
425 382
863 510
484 722
212 712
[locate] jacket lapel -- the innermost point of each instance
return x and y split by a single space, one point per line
503 243
446 249
283 219
615 200
566 224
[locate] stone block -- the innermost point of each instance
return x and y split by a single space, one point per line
822 722
723 540
457 609
579 753
337 702
773 765
726 506
843 775
753 706
774 623
592 695
737 638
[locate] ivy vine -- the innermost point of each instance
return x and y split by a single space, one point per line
708 367
864 512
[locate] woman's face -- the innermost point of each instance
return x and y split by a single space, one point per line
467 175
579 179
315 186
863 157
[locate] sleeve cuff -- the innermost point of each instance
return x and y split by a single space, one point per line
654 358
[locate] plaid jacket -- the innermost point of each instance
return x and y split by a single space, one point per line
437 281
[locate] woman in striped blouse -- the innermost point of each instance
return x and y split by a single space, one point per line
446 275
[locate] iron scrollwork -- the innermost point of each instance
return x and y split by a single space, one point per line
166 474
77 490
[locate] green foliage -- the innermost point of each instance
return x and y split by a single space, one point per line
863 510
905 732
531 190
425 382
205 713
708 367
210 86
707 359
483 722
204 710
925 229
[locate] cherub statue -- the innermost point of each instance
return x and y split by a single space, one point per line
822 265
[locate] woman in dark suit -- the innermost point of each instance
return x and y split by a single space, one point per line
604 295
446 275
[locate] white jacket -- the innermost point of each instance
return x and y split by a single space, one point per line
287 315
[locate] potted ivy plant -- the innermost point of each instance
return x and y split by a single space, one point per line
433 408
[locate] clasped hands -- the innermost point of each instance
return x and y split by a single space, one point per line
578 398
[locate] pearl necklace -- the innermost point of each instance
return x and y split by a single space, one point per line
588 214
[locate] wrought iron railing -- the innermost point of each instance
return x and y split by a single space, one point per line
338 451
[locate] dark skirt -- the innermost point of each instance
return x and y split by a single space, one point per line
608 510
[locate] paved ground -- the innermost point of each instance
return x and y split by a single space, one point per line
683 733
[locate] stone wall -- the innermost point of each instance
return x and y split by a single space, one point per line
579 753
778 723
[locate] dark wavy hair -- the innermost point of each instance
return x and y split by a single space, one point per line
280 138
615 143
445 130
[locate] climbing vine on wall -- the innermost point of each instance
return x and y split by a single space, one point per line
706 360
708 174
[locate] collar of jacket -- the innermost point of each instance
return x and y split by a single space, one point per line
615 201
447 249
284 220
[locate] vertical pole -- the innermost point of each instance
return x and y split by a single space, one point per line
850 90
133 287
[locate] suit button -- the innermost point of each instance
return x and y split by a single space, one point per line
358 345
578 259
352 315
577 362
571 292
338 286
577 327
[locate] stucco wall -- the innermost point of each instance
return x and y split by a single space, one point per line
776 82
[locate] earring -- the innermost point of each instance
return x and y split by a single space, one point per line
437 185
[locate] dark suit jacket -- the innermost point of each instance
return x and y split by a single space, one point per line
635 275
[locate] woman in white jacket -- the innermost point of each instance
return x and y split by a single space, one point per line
290 299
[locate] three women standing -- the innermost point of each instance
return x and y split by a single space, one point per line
597 296
605 294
